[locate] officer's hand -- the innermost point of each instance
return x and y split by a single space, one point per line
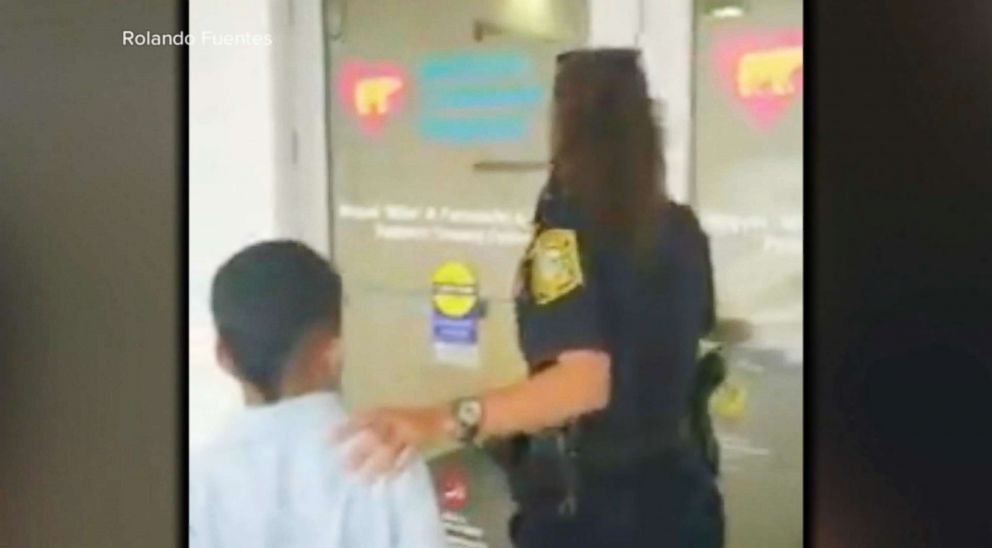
386 437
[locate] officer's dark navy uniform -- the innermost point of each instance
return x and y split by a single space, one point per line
625 476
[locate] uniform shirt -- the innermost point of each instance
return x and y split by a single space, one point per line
276 479
580 292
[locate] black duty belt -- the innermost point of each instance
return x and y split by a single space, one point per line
608 454
571 457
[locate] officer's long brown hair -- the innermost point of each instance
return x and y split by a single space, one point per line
606 143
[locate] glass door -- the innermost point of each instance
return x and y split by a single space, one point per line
748 189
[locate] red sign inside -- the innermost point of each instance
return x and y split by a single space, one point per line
372 92
453 489
763 72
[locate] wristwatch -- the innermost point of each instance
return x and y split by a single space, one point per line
467 413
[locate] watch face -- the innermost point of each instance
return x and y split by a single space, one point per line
470 412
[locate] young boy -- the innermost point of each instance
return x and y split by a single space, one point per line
275 478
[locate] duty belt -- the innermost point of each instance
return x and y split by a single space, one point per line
575 455
607 453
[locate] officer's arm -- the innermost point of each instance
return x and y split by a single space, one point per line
562 329
577 383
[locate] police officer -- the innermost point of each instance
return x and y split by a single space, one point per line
614 293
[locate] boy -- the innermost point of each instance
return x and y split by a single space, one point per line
274 478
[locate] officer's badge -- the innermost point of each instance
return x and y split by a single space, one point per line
555 270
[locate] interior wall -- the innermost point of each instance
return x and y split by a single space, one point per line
300 140
666 40
663 31
232 179
613 23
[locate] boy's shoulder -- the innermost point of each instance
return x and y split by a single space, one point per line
290 466
299 428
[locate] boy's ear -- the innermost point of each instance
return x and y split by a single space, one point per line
329 350
224 357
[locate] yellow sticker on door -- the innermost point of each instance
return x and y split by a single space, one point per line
455 289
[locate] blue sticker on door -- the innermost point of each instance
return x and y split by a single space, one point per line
455 314
477 98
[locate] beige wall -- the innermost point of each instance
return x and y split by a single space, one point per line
232 179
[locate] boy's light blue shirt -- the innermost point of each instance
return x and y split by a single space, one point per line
275 479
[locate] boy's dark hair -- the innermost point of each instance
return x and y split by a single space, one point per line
265 299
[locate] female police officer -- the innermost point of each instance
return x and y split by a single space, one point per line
613 296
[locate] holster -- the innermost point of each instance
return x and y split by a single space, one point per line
541 468
711 370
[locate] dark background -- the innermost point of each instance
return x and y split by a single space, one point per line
899 287
89 308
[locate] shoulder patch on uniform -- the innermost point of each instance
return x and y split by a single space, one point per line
555 267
